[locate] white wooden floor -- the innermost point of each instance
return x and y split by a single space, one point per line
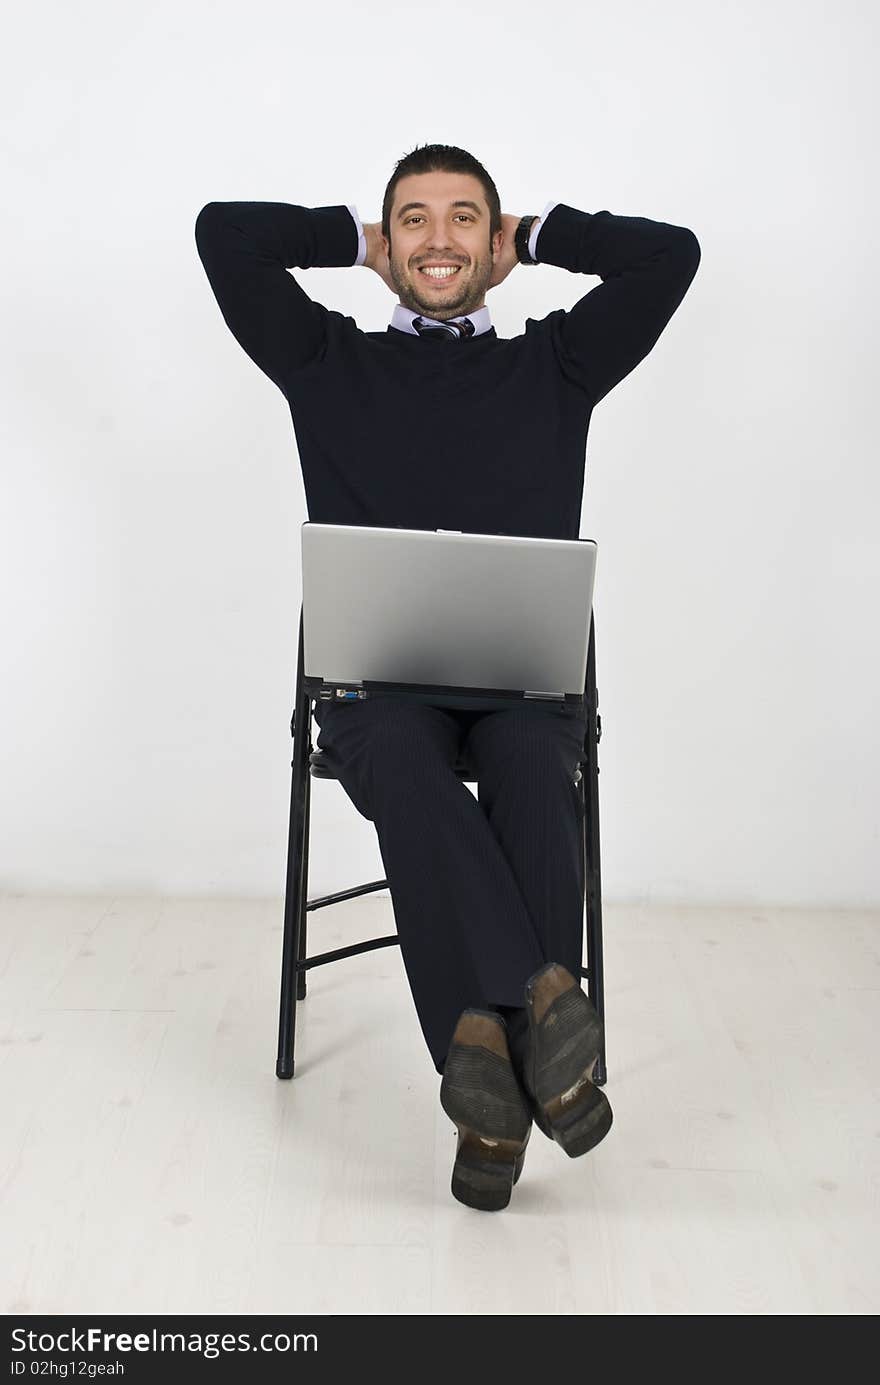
151 1162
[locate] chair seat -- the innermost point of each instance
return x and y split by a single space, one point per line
320 768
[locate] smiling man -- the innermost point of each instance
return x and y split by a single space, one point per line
438 423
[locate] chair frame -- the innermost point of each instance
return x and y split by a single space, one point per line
308 763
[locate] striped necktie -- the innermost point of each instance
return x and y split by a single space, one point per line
444 330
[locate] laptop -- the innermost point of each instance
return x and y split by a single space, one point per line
442 616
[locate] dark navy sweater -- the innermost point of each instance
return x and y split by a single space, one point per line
487 435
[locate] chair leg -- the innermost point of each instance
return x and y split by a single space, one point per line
304 894
592 873
595 962
293 899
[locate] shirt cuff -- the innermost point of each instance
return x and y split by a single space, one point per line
536 229
362 240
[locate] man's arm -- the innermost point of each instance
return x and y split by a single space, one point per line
247 248
646 268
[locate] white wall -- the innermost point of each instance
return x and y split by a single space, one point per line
151 495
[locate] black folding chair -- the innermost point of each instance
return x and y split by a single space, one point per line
308 762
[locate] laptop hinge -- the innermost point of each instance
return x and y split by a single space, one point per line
553 696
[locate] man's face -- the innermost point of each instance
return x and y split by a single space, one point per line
438 232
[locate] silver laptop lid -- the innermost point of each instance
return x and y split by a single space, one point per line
446 609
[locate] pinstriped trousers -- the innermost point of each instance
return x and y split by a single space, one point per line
484 890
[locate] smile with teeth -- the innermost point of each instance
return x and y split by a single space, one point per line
440 272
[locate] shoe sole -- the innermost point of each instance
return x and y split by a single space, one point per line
566 1040
481 1096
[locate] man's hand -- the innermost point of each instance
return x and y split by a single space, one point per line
376 258
506 259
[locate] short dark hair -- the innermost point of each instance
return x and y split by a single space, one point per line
441 158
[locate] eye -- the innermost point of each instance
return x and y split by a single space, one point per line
466 216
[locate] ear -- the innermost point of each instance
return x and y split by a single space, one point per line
497 242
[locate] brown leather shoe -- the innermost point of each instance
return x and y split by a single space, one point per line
565 1039
482 1097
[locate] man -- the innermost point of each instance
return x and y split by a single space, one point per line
437 423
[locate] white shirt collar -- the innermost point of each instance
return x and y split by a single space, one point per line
402 319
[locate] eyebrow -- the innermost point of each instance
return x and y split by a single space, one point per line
408 207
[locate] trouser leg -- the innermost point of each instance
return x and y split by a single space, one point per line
525 759
466 935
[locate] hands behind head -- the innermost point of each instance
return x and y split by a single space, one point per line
376 258
506 258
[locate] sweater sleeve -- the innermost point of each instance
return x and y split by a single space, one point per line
246 249
646 268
